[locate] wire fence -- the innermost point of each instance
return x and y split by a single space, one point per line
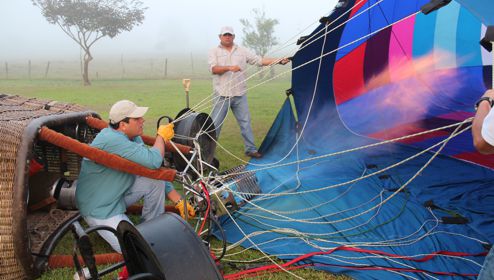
110 69
103 68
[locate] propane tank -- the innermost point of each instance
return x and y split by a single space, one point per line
63 191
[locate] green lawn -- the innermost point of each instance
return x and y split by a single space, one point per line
164 97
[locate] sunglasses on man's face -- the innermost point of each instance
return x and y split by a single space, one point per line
227 34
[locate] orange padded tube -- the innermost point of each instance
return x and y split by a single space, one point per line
59 261
103 157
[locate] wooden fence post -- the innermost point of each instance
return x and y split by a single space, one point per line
192 63
123 67
47 69
29 69
165 69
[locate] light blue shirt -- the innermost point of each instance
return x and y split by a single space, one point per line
100 190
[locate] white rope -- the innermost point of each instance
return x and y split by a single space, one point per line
306 45
309 110
442 143
341 195
402 241
298 161
326 238
364 212
257 247
350 245
407 182
365 222
335 256
315 86
368 175
325 34
391 259
417 256
352 149
308 220
314 92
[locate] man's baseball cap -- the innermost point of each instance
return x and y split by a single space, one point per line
126 109
227 30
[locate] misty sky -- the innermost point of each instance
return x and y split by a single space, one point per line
170 27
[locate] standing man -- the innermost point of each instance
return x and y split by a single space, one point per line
483 140
228 62
103 193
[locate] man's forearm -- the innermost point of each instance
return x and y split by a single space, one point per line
478 141
218 70
266 61
159 143
174 196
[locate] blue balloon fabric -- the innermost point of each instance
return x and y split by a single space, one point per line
419 206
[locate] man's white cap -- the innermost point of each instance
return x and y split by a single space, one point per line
227 29
126 109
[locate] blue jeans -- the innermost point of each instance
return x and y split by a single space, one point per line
487 271
152 191
240 109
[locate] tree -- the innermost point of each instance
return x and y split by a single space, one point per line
87 21
260 35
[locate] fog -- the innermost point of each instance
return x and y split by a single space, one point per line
170 27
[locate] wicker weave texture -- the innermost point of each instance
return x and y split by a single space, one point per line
15 114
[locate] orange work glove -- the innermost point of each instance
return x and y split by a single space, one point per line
190 210
166 131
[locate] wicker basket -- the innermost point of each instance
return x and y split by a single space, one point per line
27 233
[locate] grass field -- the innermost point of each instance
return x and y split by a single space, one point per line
165 97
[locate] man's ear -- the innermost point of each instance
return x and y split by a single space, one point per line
121 125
